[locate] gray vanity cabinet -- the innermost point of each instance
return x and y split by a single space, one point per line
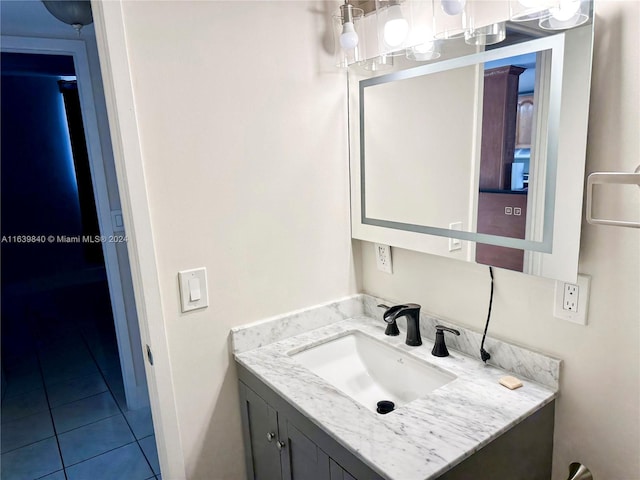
261 449
337 472
280 443
302 459
276 449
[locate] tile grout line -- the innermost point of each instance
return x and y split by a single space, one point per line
53 423
64 466
144 454
29 444
90 423
37 355
99 454
116 402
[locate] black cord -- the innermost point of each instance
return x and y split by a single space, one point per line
484 355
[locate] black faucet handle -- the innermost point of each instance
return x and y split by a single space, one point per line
439 346
392 327
447 329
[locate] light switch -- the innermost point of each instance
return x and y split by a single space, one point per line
193 289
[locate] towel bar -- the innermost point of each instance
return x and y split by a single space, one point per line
609 178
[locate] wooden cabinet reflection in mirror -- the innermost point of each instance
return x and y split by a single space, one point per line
506 125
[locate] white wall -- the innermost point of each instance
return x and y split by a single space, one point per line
242 119
598 411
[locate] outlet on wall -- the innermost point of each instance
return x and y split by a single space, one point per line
571 300
570 297
455 243
383 258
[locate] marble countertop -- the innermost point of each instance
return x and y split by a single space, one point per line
418 441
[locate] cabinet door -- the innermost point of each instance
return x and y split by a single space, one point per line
524 124
337 472
301 459
505 215
260 429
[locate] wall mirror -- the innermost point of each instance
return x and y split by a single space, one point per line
478 155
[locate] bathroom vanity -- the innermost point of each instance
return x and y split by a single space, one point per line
298 424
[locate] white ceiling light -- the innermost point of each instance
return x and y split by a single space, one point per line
76 13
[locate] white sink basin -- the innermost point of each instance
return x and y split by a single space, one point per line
369 371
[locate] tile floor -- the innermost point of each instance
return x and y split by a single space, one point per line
63 413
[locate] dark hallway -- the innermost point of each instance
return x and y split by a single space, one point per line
64 414
63 403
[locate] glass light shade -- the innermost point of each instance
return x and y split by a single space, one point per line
448 18
348 36
487 35
379 63
394 22
526 10
424 52
396 29
485 21
421 44
568 14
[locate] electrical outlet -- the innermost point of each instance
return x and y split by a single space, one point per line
455 243
383 258
571 300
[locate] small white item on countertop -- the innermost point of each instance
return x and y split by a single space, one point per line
510 382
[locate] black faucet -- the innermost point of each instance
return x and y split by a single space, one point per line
439 347
412 312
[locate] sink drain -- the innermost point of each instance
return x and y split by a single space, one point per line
385 406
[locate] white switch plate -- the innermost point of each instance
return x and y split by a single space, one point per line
571 300
383 258
193 284
455 243
117 221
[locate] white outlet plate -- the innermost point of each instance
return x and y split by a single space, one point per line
566 306
455 243
571 297
383 258
193 289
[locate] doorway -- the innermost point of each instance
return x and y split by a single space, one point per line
66 406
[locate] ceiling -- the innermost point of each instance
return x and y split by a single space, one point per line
31 18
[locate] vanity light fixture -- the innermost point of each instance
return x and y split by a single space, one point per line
448 21
396 27
393 25
424 51
349 47
418 29
422 45
485 22
567 14
348 37
487 35
526 10
380 63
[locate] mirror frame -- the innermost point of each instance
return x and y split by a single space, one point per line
556 255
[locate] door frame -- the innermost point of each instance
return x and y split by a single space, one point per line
135 391
113 54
